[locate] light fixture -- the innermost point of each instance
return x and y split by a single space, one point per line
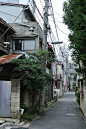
57 42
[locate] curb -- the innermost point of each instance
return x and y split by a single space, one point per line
4 125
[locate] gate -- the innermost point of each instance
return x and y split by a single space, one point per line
5 95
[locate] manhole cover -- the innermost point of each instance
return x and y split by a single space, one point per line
70 114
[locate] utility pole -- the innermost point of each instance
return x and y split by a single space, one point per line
44 47
45 25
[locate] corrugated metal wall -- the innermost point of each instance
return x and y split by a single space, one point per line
5 95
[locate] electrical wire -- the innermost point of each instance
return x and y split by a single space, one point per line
59 14
62 31
40 20
18 17
13 22
54 20
10 14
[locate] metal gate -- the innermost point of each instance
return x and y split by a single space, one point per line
5 95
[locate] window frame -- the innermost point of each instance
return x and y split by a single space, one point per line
22 48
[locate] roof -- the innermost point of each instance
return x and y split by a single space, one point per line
24 36
5 26
7 58
11 4
26 8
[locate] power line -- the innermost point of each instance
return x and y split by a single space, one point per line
41 4
54 20
37 9
62 31
59 14
12 23
56 7
10 14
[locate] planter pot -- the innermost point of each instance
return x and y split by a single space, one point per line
21 111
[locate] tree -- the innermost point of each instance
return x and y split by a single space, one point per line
75 18
29 71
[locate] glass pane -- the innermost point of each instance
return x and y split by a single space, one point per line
29 44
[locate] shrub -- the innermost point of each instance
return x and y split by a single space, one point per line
37 109
78 97
25 116
78 100
26 109
78 94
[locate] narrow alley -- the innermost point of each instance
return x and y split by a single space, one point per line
64 114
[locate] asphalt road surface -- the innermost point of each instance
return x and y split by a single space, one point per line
64 114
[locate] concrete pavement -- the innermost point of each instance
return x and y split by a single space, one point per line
64 114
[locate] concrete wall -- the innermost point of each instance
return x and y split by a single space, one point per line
25 97
23 29
60 71
15 98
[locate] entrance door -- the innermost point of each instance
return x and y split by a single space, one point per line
5 95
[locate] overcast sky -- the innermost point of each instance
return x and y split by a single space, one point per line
58 9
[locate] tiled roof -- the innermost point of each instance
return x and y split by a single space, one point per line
7 58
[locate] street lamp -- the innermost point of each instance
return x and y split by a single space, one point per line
58 42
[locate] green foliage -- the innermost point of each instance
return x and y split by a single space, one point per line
25 116
74 87
78 100
42 56
46 104
26 109
75 18
30 71
75 77
78 94
41 111
46 89
37 109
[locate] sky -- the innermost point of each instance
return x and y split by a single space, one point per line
58 14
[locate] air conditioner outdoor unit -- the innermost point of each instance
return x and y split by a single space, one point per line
6 44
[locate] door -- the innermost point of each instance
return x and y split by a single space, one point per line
5 95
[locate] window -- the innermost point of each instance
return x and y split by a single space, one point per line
17 44
29 44
24 44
